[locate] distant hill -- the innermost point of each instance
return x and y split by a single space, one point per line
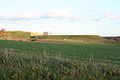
81 38
117 36
23 34
18 34
74 37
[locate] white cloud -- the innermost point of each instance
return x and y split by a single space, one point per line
15 22
28 16
59 14
107 15
110 15
33 16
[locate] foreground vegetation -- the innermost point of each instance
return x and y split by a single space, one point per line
55 61
28 66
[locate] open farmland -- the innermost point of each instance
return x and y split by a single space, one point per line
52 61
80 50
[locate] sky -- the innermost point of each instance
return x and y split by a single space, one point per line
62 17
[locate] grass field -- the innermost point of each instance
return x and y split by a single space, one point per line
53 61
80 50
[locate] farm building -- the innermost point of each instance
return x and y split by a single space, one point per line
35 34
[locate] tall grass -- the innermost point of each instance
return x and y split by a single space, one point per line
46 66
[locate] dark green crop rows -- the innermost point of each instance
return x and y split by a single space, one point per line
101 52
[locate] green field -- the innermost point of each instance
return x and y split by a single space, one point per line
55 61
